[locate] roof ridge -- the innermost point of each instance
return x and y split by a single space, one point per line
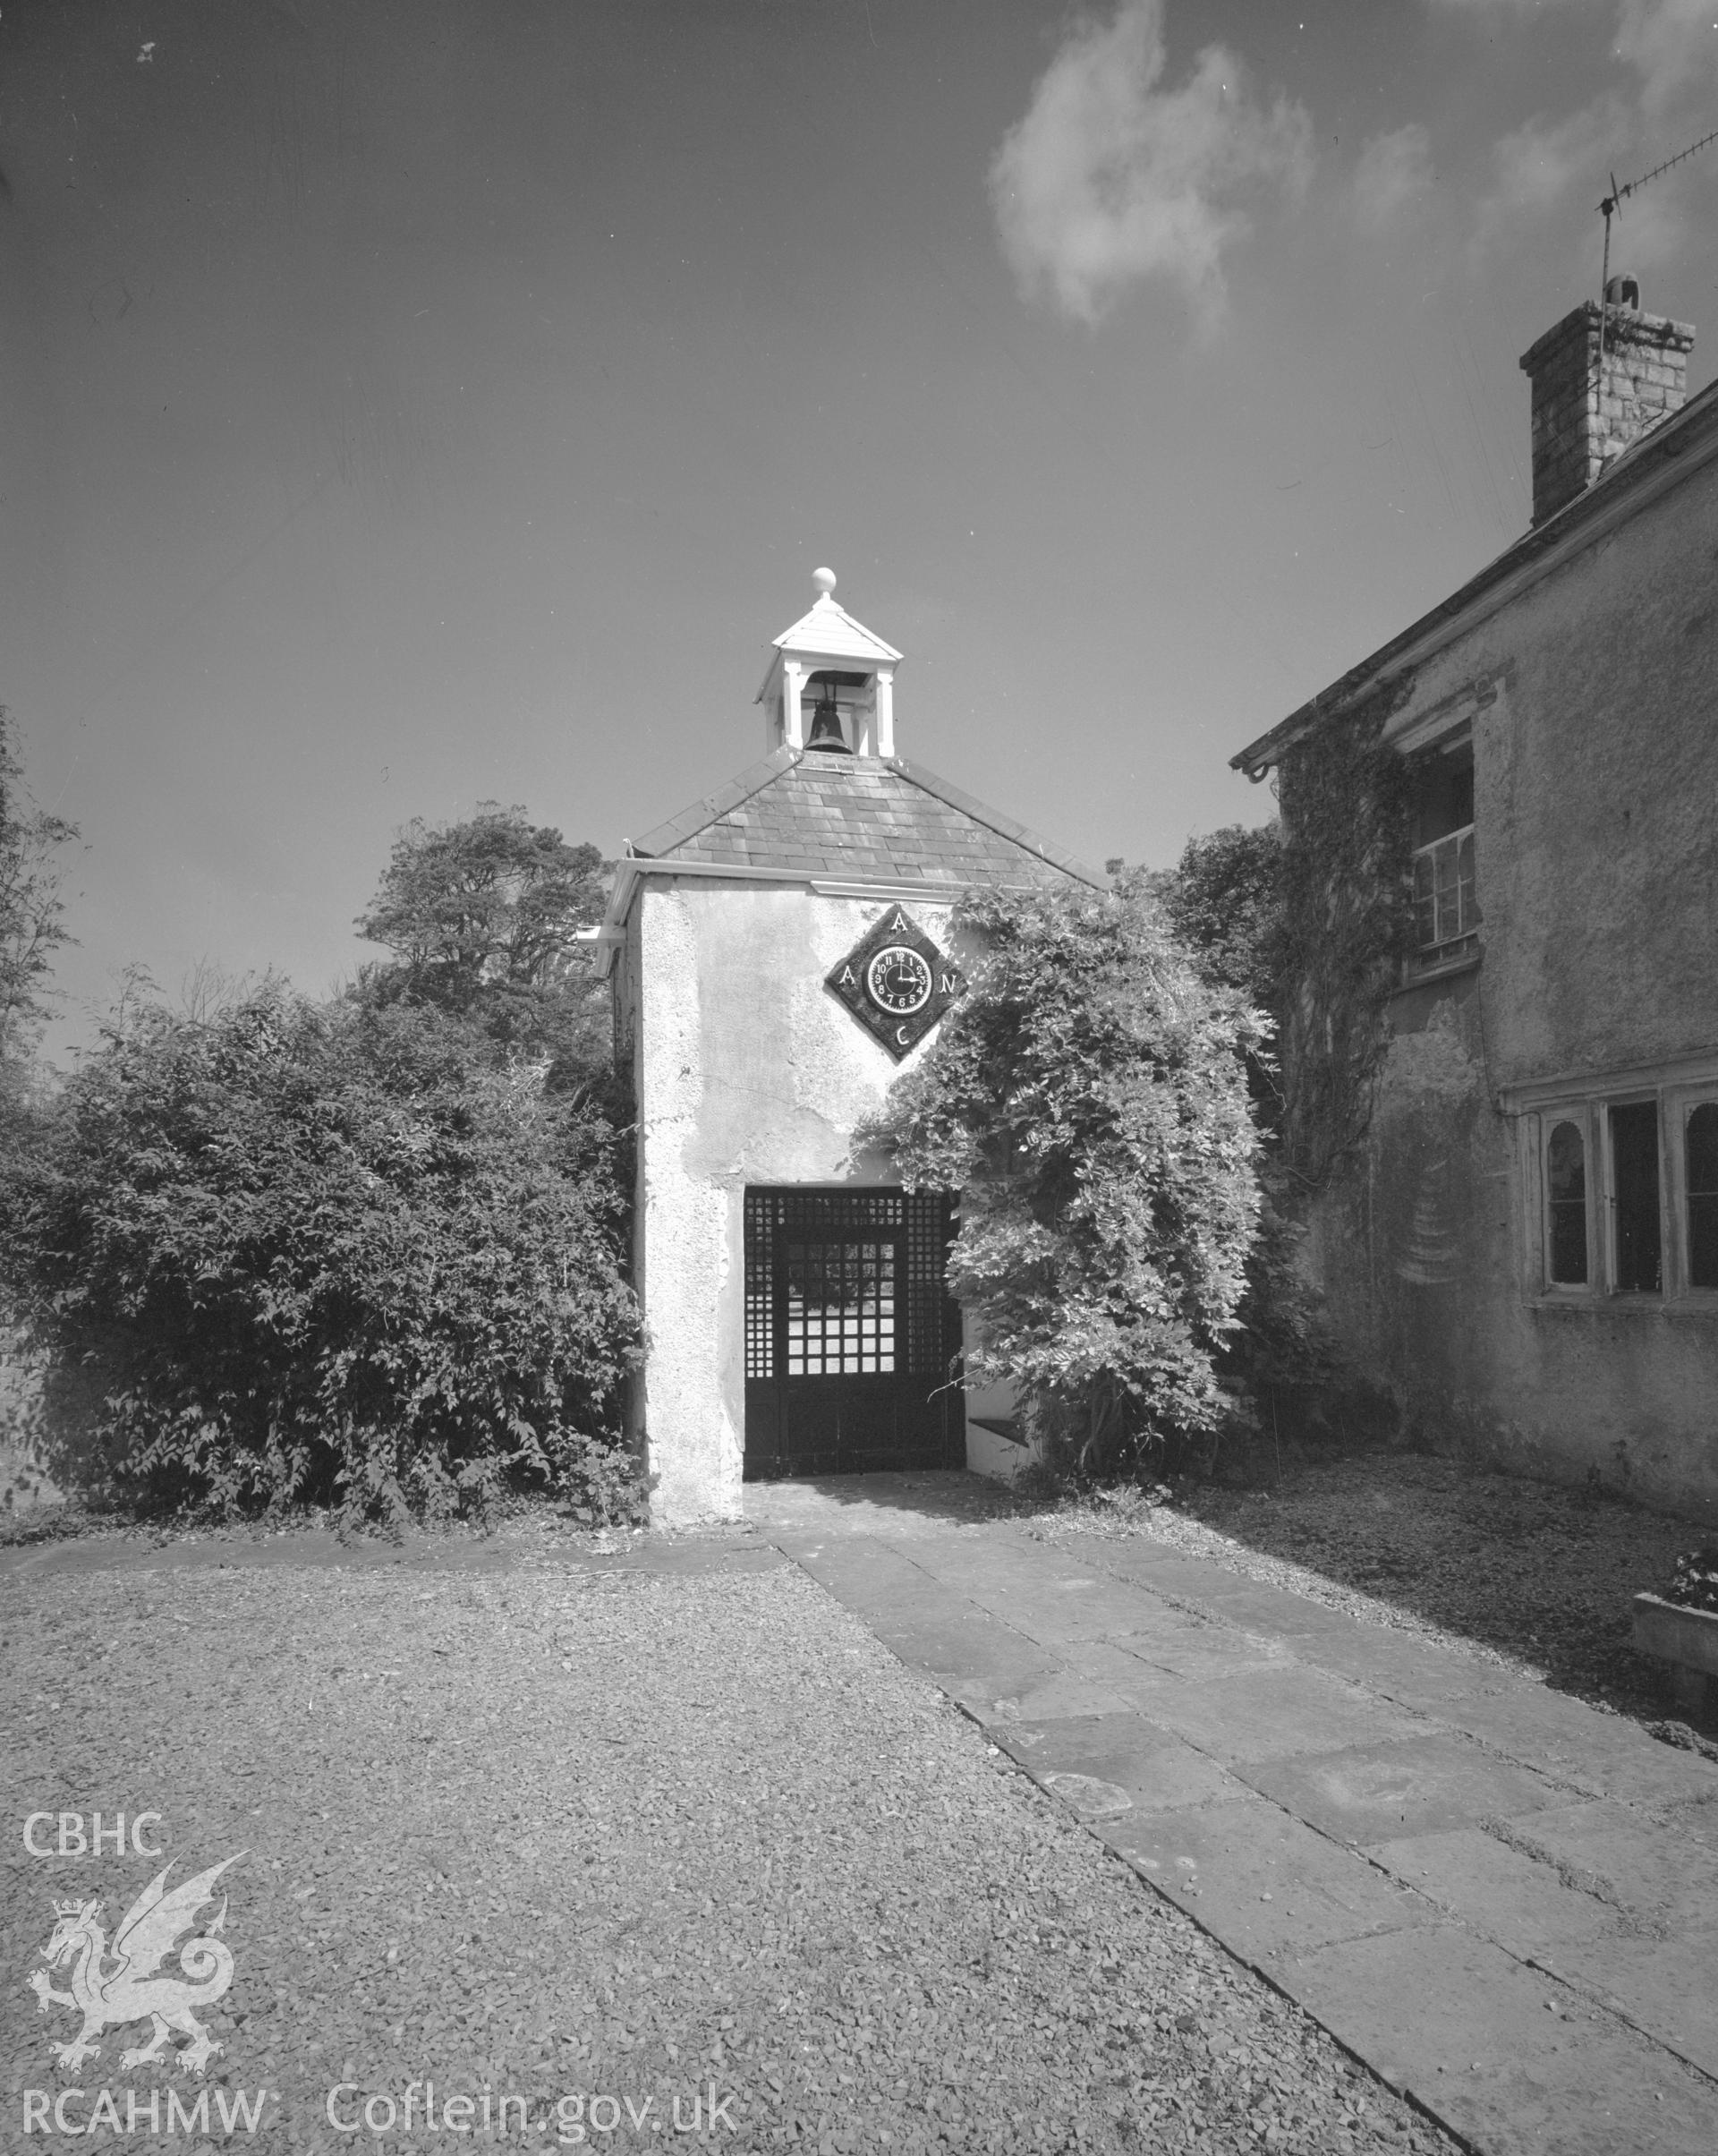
1656 451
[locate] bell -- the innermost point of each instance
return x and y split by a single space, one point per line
826 723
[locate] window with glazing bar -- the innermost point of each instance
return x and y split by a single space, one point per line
1627 1191
1446 902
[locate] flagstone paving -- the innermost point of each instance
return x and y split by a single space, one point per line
1503 1901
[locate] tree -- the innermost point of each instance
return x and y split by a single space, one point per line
331 1251
482 917
1087 1097
32 915
1224 899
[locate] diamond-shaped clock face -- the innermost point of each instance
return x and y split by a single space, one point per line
896 981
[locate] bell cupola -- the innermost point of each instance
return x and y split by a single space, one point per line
830 686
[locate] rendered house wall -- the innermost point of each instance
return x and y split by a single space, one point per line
747 1071
1595 711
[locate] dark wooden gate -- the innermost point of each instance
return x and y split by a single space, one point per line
850 1336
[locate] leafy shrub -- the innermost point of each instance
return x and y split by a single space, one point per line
1694 1580
32 929
331 1251
1225 900
1088 1097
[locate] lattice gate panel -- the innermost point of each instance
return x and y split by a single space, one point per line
928 1347
759 1285
849 1333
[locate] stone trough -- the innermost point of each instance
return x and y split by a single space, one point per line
1688 1638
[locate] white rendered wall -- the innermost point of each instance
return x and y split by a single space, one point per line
747 1071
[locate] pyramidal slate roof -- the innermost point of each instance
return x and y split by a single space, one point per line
832 632
864 819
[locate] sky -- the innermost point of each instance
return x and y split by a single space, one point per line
415 402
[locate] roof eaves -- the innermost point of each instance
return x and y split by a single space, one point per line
808 634
634 868
1666 453
1070 864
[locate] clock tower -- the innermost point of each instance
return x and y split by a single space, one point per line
779 953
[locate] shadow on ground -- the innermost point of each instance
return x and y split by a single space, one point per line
946 1497
1539 1573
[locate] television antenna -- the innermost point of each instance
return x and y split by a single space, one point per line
1612 207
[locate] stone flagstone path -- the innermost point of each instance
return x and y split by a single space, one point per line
1503 1901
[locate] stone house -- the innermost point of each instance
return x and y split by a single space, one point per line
780 954
1501 1031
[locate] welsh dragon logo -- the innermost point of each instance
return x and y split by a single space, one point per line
131 1990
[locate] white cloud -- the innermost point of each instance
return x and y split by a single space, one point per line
1109 179
1654 230
1670 48
1674 45
1541 166
1393 171
1536 164
1544 165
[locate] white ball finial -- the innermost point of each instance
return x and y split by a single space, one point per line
824 579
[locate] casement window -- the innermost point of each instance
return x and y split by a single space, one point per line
1636 1220
1700 1177
1566 1223
1689 1114
1446 910
1621 1187
1441 812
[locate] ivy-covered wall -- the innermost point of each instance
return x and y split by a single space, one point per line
1589 696
1386 1129
1344 804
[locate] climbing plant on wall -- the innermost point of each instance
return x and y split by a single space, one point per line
1344 922
1087 1096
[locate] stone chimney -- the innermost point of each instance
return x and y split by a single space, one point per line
1579 423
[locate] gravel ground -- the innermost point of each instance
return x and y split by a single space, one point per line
1530 1575
570 1835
